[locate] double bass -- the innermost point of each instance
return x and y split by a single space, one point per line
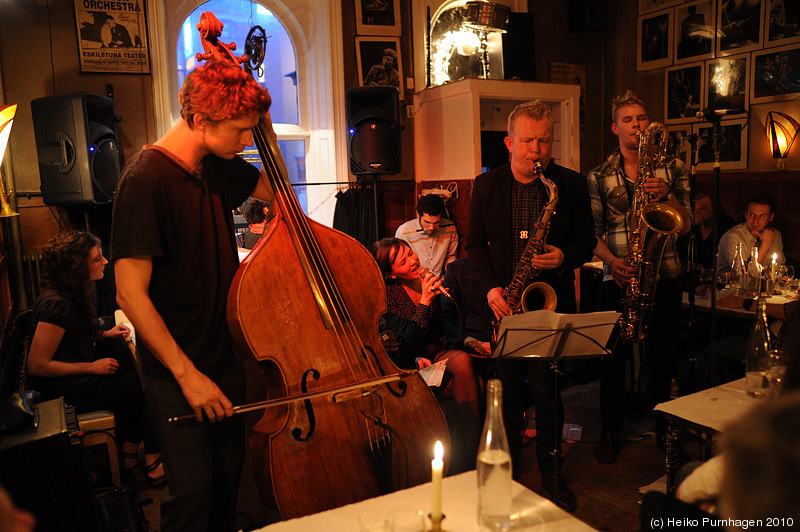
344 423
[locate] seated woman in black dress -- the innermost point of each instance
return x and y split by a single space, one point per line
66 356
414 314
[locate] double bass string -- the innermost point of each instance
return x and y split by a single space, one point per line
351 345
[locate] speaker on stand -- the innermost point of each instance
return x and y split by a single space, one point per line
373 134
79 156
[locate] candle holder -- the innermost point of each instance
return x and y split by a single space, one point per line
436 525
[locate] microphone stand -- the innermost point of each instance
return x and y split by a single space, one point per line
691 252
714 119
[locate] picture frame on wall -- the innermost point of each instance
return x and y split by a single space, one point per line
378 18
379 62
655 40
726 81
739 26
694 31
647 6
776 74
733 145
683 89
113 40
678 145
781 22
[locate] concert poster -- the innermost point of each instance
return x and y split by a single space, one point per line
112 36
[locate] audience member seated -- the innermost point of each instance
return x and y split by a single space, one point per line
753 232
67 356
761 465
255 213
700 235
432 237
414 314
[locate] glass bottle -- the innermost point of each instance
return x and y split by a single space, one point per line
757 354
738 272
753 288
494 464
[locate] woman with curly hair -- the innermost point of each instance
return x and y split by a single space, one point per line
64 355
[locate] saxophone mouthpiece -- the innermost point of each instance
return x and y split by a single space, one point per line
422 272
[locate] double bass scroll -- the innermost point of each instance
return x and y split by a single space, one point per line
305 305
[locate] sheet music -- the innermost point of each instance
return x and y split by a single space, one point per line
537 334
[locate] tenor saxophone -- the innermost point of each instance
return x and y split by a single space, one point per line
522 295
649 224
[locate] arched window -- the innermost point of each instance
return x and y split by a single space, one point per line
307 104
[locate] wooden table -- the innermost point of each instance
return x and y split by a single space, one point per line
459 505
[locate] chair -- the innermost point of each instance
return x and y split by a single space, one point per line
100 420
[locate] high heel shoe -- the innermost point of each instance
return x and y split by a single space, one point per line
154 482
134 473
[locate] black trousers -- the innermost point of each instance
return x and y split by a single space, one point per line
525 381
203 461
660 352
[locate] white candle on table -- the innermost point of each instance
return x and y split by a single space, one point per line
437 465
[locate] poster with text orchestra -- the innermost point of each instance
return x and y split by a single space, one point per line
112 36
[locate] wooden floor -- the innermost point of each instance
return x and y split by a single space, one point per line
608 495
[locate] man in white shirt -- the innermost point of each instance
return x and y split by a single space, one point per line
432 237
753 232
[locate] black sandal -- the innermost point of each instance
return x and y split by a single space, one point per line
134 473
154 482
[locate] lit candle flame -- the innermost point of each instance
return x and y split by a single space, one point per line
438 451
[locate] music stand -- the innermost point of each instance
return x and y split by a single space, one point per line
547 334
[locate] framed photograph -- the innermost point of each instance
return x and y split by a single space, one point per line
739 26
727 84
776 74
782 22
655 40
646 6
111 40
694 31
683 87
378 17
379 62
678 145
733 145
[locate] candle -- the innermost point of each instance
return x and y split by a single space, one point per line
437 465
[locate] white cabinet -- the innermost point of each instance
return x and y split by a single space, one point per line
451 119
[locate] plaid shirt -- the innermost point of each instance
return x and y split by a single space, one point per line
609 191
527 203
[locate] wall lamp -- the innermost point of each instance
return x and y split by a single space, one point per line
781 130
6 120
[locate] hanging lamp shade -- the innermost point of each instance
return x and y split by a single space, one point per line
781 130
6 119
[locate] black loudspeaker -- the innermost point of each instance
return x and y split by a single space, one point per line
519 55
373 130
76 140
586 15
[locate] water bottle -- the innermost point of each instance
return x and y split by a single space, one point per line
757 354
738 281
494 465
753 285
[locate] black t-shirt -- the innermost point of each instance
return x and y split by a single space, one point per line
185 224
75 346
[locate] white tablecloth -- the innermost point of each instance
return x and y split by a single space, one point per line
713 408
459 504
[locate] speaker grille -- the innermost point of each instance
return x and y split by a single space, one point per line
374 148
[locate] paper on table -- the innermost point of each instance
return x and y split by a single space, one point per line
434 373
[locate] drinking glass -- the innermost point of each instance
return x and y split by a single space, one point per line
376 521
776 372
408 520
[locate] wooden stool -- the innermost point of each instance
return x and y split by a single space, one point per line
102 420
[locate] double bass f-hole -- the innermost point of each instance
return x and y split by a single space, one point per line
297 432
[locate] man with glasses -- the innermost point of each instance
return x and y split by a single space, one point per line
753 232
432 236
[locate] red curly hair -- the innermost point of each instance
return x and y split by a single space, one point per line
221 91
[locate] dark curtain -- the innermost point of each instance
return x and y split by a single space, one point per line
355 214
